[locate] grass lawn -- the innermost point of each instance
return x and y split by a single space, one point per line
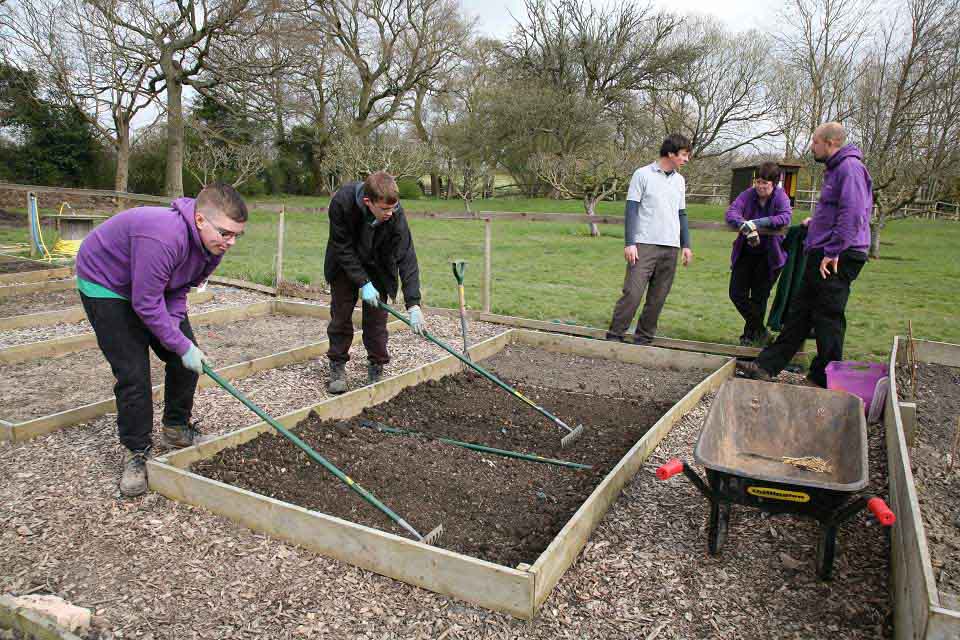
557 272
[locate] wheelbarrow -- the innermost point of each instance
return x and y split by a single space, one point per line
755 435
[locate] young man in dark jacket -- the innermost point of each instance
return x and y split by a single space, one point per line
838 238
134 272
369 245
756 260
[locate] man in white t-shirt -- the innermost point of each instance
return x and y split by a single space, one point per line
655 222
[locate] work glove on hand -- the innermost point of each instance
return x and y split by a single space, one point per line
749 229
193 359
370 294
416 320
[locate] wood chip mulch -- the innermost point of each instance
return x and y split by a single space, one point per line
152 568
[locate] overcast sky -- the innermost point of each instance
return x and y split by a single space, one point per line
494 15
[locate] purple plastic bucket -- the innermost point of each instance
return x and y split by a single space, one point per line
858 378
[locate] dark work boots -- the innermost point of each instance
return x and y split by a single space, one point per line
133 481
338 378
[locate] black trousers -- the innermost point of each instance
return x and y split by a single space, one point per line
343 299
820 304
750 285
126 343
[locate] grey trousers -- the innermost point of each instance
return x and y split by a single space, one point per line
652 274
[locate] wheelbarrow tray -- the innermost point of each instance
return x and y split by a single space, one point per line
752 424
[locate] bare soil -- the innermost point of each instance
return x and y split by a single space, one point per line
47 385
10 265
37 302
499 509
938 413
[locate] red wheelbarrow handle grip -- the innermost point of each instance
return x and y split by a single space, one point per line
881 511
669 469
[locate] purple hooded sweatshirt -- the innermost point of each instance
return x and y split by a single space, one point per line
842 218
150 256
747 207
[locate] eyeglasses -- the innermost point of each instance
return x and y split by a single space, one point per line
226 235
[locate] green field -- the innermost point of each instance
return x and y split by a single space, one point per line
557 272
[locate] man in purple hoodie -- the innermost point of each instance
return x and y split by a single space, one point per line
838 237
134 272
756 261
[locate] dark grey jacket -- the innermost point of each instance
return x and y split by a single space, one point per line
367 253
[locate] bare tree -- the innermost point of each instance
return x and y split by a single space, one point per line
591 175
354 157
601 54
174 40
214 155
908 108
394 46
719 99
823 39
82 56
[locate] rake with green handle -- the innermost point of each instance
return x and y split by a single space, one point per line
572 433
459 267
430 538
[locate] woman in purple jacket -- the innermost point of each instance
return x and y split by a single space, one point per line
756 260
134 272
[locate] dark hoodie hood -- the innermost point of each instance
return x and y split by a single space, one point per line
846 151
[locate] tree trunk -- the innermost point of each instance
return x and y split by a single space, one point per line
434 185
122 177
590 205
175 130
875 239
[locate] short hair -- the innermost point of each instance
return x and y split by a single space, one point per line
222 198
833 131
674 143
380 186
769 171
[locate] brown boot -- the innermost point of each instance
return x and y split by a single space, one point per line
338 378
752 370
181 435
133 481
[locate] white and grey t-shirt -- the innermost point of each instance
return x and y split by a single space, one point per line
660 197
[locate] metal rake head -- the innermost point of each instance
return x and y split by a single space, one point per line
572 436
434 536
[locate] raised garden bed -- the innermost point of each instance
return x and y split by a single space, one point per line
923 488
503 512
20 271
249 339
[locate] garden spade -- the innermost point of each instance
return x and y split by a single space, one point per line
572 433
459 267
430 538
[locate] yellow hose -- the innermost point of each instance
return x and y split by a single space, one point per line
63 248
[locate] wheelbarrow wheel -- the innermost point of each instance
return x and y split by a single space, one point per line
826 550
717 529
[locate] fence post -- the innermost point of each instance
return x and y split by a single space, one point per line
486 264
279 278
34 252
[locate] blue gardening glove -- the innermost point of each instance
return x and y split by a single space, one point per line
370 294
193 359
416 320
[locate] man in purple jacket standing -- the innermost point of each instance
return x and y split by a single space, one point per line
756 260
838 237
133 273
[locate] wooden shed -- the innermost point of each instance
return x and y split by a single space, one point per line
743 179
